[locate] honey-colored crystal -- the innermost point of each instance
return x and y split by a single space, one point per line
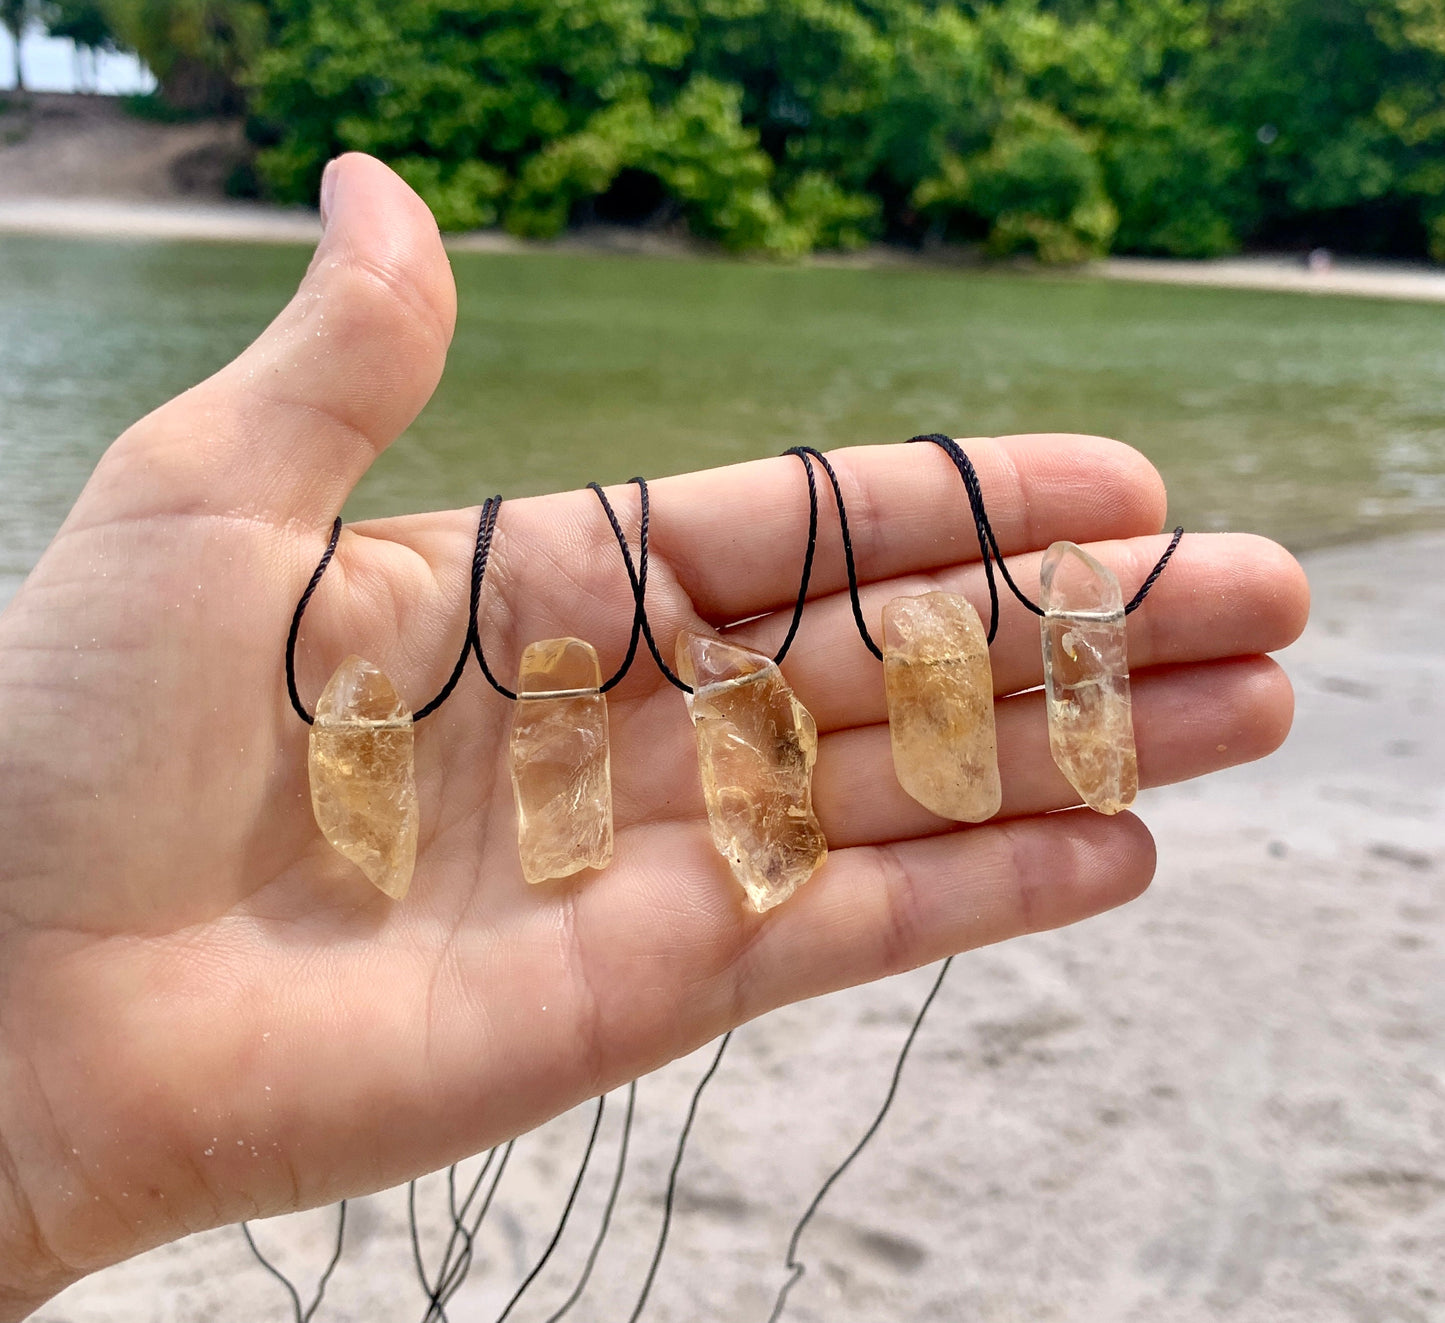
939 684
756 746
1086 678
561 761
363 777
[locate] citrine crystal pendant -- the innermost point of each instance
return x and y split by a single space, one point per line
1086 678
939 684
561 761
363 774
756 746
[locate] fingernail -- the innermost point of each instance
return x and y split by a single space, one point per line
328 187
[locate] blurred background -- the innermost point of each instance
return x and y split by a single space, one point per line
687 232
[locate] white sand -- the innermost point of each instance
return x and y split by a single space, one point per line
108 218
1377 280
250 222
1225 1101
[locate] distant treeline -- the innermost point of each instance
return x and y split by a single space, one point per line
1064 128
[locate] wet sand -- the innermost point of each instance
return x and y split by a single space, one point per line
1224 1101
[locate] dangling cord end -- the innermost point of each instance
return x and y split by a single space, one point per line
566 1215
672 1177
309 1312
607 1211
795 1266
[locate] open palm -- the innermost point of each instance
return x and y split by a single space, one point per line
207 1014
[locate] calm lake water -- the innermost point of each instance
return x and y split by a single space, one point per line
1311 419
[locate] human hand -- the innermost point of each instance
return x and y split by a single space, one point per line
206 1014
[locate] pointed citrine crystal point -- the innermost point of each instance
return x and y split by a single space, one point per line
939 683
561 761
1086 678
363 777
756 746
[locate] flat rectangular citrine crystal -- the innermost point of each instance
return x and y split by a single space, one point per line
561 761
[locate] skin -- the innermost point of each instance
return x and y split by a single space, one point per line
206 1014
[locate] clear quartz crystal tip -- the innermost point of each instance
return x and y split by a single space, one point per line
1086 678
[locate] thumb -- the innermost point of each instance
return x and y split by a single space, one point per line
285 431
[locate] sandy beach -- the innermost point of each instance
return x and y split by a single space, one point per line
253 222
81 167
1224 1101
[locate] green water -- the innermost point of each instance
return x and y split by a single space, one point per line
1311 419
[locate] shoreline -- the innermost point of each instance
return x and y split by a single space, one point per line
253 222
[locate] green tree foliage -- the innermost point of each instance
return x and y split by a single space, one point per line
15 17
82 21
84 24
1061 128
198 49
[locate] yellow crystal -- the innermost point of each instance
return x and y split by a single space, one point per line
363 776
756 746
1086 678
939 684
561 761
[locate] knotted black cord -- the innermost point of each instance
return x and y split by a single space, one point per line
982 523
304 1315
990 553
808 555
485 534
453 679
479 570
638 575
296 622
966 470
796 1268
1137 600
672 1176
982 528
804 452
566 1213
606 1212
